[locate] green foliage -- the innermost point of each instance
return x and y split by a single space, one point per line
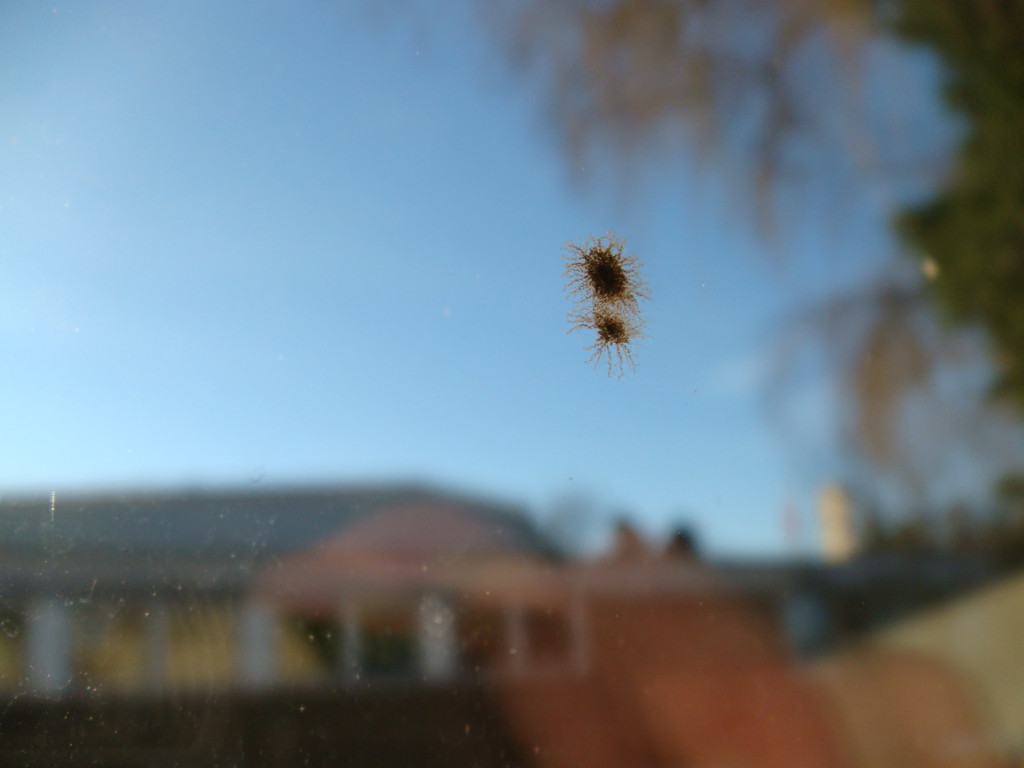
973 229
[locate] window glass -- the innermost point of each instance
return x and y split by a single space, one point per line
511 382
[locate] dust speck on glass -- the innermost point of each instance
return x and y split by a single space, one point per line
607 288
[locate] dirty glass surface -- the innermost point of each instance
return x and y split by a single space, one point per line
544 383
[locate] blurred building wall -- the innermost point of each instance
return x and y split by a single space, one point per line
982 636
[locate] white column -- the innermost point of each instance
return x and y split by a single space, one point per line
258 645
516 638
437 643
158 644
49 648
352 641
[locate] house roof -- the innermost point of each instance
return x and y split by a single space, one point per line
410 547
110 543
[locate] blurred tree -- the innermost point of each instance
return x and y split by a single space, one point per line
916 430
747 75
973 229
785 93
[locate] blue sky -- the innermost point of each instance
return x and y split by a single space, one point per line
278 243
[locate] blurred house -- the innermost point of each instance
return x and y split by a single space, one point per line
424 589
240 589
980 635
399 604
301 587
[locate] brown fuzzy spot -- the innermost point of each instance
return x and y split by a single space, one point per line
600 272
605 275
607 287
611 330
614 334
